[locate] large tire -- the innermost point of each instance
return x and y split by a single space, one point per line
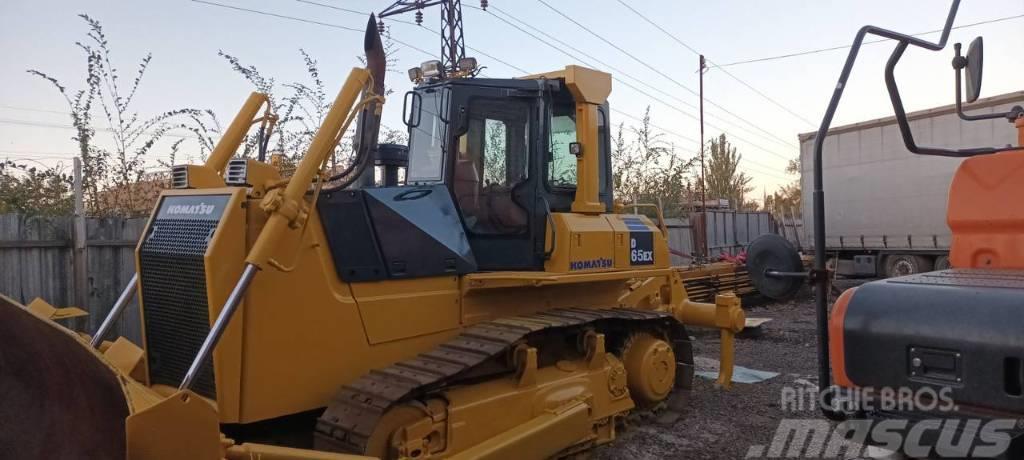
942 263
906 264
773 252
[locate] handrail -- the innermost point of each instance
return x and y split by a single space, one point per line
819 273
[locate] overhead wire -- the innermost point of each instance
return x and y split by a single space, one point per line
726 72
648 95
866 42
627 84
618 71
308 21
520 69
510 65
659 72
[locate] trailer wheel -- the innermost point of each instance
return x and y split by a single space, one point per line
942 263
906 264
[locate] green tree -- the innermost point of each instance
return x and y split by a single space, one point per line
723 178
648 168
787 199
34 191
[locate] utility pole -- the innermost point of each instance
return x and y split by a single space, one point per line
703 182
453 45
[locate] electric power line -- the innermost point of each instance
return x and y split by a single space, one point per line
42 124
734 77
627 84
662 74
513 66
867 42
307 21
696 142
365 13
621 72
324 24
28 109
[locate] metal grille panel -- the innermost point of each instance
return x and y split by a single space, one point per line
236 172
175 309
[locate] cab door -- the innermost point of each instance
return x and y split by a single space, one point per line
493 180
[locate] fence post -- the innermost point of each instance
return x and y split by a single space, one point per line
78 251
799 247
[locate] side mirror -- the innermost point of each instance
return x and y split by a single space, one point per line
974 60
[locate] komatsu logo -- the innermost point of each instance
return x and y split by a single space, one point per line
590 264
201 209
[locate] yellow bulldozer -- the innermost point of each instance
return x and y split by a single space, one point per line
496 303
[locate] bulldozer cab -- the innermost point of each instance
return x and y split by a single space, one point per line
488 161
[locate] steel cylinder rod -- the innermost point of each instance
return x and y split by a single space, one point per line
115 311
226 312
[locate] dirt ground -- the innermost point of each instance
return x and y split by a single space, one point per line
724 424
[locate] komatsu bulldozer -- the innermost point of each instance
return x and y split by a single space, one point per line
496 303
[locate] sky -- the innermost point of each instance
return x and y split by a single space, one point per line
761 106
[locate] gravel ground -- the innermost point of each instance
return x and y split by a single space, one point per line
724 424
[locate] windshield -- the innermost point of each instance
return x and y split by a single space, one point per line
426 140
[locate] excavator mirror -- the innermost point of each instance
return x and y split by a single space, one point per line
974 61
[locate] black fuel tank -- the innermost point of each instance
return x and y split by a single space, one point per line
959 328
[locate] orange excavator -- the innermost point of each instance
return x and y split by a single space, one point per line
956 334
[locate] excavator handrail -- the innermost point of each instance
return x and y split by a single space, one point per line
904 123
819 272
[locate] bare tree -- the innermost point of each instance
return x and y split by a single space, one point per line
111 168
301 107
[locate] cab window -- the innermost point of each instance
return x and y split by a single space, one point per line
492 160
562 163
426 140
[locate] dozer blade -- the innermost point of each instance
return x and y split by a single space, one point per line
60 399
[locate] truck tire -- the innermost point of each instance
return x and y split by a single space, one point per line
942 263
906 264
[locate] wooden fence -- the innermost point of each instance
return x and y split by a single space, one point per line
38 259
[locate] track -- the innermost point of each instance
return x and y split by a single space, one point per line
479 351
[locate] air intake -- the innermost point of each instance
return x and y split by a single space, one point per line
179 176
236 173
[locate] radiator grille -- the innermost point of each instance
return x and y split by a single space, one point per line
175 309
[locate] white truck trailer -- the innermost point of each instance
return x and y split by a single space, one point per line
886 207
